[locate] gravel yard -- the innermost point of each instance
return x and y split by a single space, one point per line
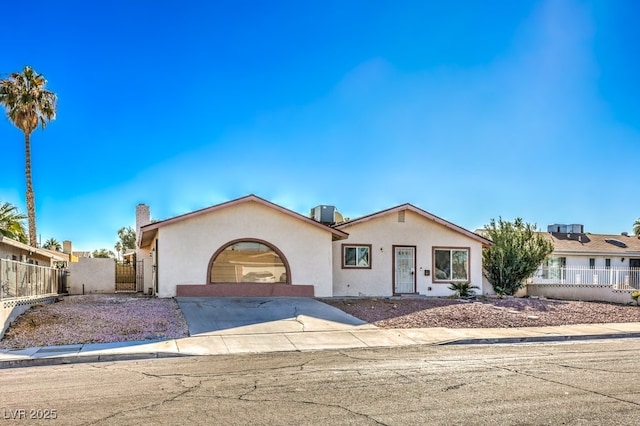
116 318
487 313
96 319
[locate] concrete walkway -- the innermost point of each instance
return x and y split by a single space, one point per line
238 341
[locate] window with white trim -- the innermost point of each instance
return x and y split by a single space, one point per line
356 256
451 264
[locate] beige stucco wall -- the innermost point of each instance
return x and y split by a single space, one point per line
383 233
96 274
186 247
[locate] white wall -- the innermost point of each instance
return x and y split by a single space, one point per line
96 274
598 293
384 232
186 247
11 310
583 260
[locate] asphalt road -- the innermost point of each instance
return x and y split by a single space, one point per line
582 383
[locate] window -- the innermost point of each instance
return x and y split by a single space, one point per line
356 256
451 264
556 268
607 263
592 263
248 262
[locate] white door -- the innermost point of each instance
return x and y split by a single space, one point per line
404 269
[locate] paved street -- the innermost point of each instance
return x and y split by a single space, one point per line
592 382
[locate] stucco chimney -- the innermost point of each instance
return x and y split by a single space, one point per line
67 247
143 217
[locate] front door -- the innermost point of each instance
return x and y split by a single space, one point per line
404 269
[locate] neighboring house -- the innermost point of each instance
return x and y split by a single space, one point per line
80 254
15 250
405 250
129 256
586 258
252 247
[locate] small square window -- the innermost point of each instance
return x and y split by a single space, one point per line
356 256
592 263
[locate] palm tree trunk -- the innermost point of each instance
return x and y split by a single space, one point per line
31 204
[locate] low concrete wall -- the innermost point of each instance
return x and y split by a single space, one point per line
13 308
590 293
90 275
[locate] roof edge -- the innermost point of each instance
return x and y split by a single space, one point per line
337 234
407 206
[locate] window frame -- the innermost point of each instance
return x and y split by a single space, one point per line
451 250
356 246
269 245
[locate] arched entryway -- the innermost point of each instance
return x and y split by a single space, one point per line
247 261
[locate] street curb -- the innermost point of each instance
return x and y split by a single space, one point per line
82 359
79 359
539 339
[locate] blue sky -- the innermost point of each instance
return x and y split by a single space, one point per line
469 110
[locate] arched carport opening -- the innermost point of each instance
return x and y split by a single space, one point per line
248 260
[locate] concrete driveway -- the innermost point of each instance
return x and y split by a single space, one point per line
258 315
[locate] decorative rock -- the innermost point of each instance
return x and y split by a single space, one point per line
513 312
498 308
532 317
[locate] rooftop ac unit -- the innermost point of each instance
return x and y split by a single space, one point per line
323 214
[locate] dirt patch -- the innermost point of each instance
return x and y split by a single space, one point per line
96 319
489 313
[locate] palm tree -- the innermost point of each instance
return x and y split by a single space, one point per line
636 227
52 244
11 225
28 105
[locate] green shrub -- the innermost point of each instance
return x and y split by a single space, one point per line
463 289
635 296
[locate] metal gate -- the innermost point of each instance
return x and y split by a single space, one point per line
125 278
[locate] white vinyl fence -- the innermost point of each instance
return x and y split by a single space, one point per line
616 278
583 283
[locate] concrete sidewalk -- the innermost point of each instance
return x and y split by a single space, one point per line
238 342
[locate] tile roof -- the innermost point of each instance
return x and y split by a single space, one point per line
594 243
